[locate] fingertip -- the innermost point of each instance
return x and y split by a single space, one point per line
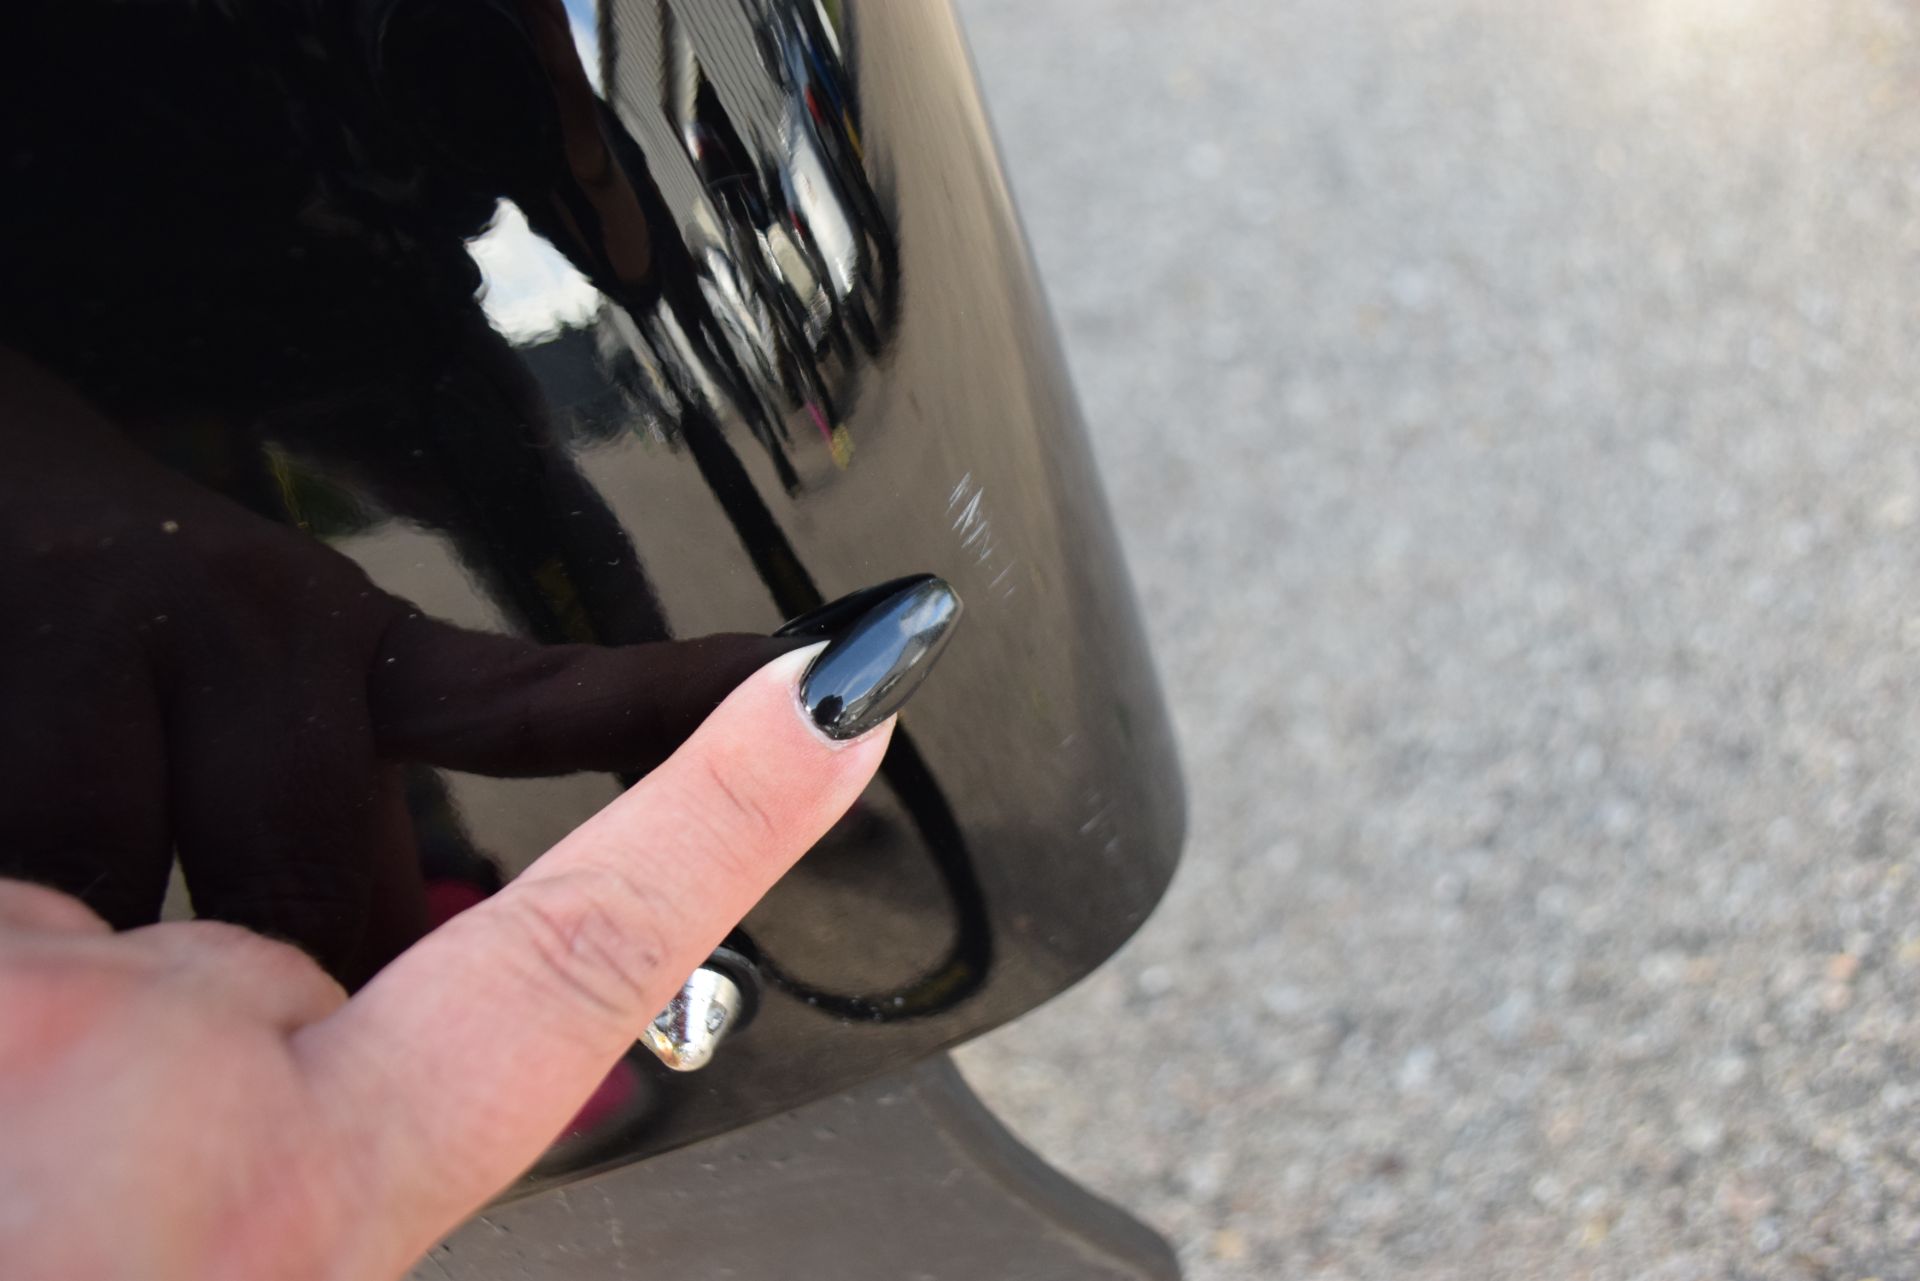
785 675
793 669
875 664
777 693
763 745
869 742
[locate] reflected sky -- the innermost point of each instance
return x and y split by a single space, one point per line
531 292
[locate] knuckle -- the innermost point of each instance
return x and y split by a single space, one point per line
595 939
310 911
236 952
211 936
236 945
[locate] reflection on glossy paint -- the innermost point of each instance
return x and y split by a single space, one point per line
385 418
529 290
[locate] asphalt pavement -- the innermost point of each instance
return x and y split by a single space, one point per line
1510 412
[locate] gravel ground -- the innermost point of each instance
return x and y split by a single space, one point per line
1510 411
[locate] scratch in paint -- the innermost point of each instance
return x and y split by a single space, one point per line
966 506
1098 817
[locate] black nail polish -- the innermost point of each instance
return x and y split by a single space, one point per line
833 617
876 661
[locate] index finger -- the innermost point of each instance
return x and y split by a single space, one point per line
453 1069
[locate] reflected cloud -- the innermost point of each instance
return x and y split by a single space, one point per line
529 290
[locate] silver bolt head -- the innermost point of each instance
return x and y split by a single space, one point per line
690 1029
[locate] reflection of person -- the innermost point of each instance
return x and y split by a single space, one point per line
184 677
261 281
238 268
235 1115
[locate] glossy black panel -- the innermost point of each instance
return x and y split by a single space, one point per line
419 412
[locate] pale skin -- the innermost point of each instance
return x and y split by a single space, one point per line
189 1100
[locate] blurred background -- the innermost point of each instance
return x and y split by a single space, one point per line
1510 413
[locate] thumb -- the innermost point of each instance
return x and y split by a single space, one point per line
455 1067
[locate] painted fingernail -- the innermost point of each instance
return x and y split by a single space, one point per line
878 655
832 618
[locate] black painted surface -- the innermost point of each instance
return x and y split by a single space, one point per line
391 404
904 1176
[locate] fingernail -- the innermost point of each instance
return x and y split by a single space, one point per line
879 656
831 618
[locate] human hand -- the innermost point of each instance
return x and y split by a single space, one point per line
193 1100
